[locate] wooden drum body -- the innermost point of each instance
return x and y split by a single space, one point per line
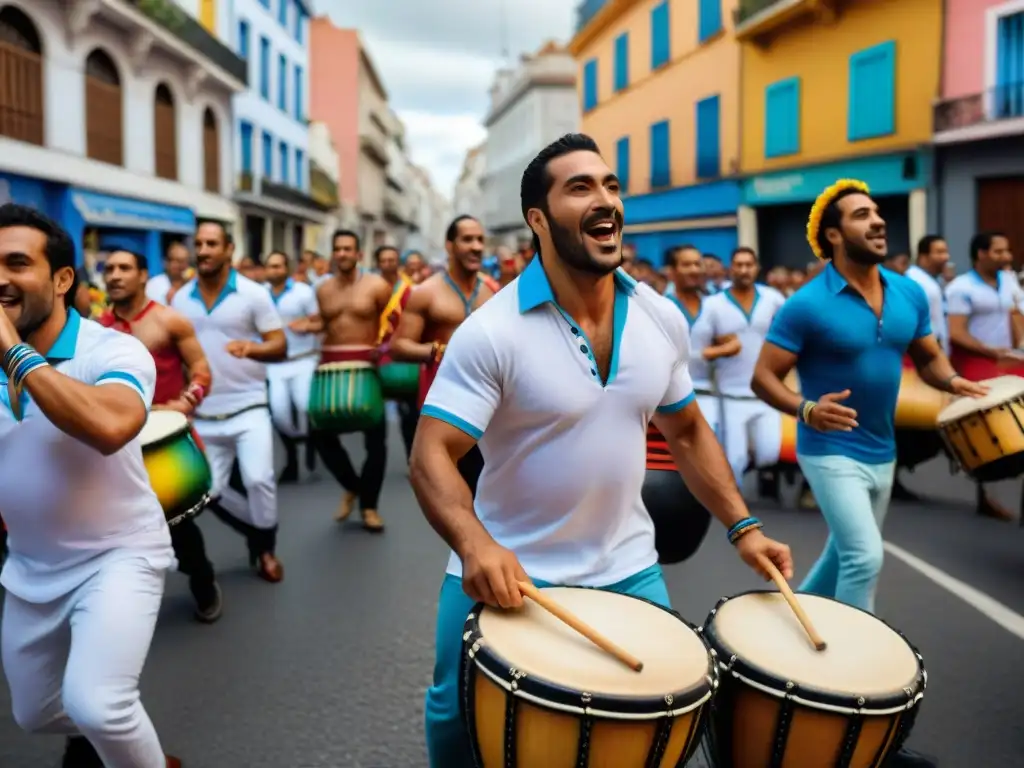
535 693
346 397
399 381
178 470
782 704
986 435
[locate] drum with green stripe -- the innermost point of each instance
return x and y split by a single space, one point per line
400 381
346 397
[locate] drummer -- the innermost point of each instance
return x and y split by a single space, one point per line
389 265
172 342
351 302
562 425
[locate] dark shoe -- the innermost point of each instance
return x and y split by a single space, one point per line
900 492
768 486
269 568
908 758
209 601
173 762
79 753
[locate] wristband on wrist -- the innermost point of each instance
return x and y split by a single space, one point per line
196 391
437 351
743 527
949 382
804 411
19 361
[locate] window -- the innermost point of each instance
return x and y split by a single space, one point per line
265 68
590 85
282 83
710 18
661 160
284 156
709 154
1008 97
300 113
621 61
265 4
268 155
300 169
661 46
245 132
622 162
782 118
300 24
872 98
282 12
243 39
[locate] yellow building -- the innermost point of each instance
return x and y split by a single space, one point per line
659 92
834 89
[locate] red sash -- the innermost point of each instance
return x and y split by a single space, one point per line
346 354
976 368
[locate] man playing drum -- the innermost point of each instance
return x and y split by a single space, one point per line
89 545
351 302
440 305
557 377
172 342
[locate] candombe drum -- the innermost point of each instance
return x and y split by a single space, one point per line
535 693
782 703
985 435
680 521
916 418
345 396
178 470
399 381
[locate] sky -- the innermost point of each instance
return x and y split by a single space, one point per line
437 59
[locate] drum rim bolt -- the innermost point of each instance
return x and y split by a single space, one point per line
860 701
586 698
790 685
669 698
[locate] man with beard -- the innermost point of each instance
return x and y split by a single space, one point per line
240 332
161 288
172 342
351 302
389 265
557 377
439 306
89 546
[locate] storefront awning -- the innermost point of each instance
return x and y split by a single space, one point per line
101 210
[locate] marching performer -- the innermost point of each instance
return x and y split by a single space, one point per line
240 331
744 310
172 342
89 545
440 305
350 303
161 288
389 266
290 380
557 377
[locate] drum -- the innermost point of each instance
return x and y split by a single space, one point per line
680 521
986 435
918 405
178 470
346 397
399 381
781 703
536 693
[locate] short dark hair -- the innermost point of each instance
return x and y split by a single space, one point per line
832 218
141 262
282 254
59 249
228 239
924 245
346 233
382 249
672 254
453 229
536 182
983 242
744 249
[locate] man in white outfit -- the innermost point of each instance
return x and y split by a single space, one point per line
89 543
744 310
161 288
932 257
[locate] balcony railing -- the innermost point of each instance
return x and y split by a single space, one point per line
322 187
287 194
750 8
245 181
1003 102
193 34
587 10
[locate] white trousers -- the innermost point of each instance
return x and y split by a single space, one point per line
73 665
289 394
249 437
752 429
709 409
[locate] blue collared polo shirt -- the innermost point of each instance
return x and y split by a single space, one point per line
841 344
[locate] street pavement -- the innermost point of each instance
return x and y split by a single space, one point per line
328 668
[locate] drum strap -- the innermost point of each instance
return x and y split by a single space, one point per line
782 726
511 705
226 416
853 728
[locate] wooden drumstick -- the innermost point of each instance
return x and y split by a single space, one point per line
787 593
580 626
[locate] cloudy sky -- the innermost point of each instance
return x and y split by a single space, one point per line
437 60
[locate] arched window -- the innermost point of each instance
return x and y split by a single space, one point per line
165 133
104 110
21 77
211 152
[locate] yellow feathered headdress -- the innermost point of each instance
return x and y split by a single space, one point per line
823 201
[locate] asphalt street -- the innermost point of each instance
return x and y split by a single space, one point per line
328 668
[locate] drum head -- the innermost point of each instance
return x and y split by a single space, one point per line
535 642
865 657
1001 390
162 424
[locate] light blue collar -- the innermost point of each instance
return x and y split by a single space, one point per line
835 282
64 347
289 283
535 289
231 286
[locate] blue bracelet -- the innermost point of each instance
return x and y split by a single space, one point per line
30 363
740 527
13 355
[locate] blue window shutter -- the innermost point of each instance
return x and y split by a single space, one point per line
284 156
872 98
590 85
621 61
661 155
299 95
282 82
243 39
622 162
709 149
782 118
268 156
300 171
264 68
710 18
245 129
661 45
1008 99
282 13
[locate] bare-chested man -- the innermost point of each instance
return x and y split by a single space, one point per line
437 307
351 302
172 341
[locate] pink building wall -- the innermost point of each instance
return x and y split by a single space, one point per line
963 71
334 96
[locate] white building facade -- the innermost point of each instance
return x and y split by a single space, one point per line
324 181
432 215
121 129
468 198
531 106
399 197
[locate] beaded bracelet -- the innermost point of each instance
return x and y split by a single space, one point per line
804 411
744 526
438 351
19 362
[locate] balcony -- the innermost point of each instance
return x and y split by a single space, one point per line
287 194
373 138
991 114
395 206
245 182
322 188
757 18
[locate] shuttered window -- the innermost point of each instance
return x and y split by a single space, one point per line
165 134
104 110
21 78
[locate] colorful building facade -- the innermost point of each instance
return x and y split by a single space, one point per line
831 91
659 91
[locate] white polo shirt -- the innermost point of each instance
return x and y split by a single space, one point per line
726 317
936 303
564 454
701 338
987 309
295 302
67 506
157 288
243 312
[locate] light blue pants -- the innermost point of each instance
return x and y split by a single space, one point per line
447 738
853 498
